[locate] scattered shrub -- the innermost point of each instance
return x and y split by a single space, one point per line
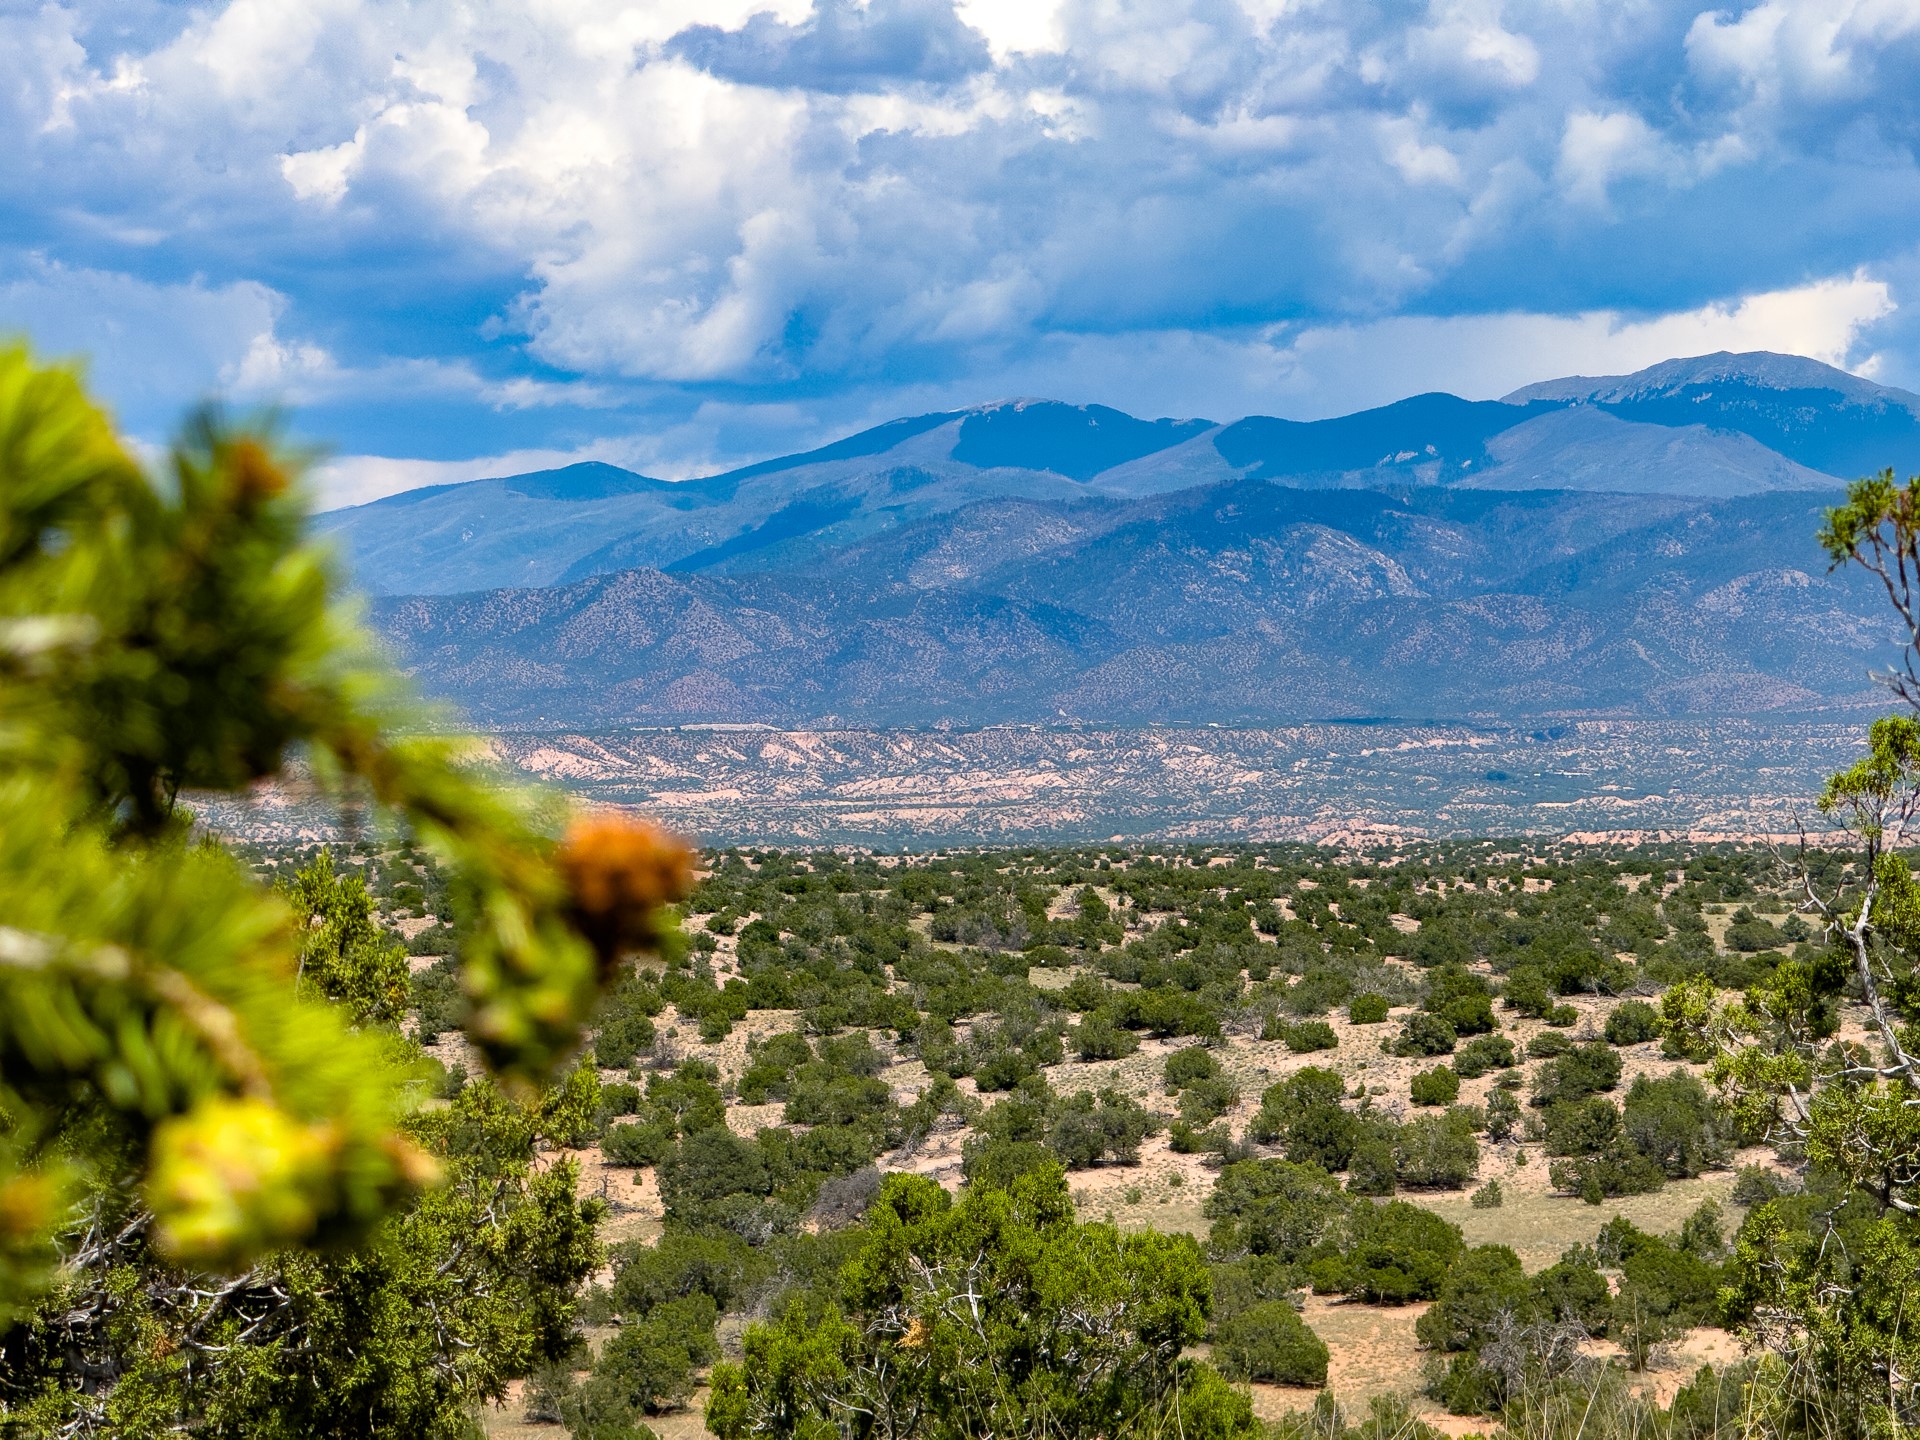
1480 1285
1488 1197
1273 1208
1675 1124
1098 1038
1370 1168
1436 1152
1183 1067
1204 1101
1303 1113
1424 1034
1581 1127
1310 1035
1367 1009
1526 992
1755 1185
1632 1022
1400 1253
1483 1053
1581 1071
1438 1086
1271 1343
1503 1114
1087 1129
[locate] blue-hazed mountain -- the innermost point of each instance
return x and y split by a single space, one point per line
1718 426
1243 602
1811 413
1629 546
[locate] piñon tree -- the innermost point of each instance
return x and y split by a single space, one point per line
195 1073
1824 1277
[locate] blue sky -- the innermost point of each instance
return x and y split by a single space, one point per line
457 237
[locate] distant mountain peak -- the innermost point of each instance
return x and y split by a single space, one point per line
1078 441
1754 369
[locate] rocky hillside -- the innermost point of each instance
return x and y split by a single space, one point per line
1247 602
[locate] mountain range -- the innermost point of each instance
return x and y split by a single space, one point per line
1637 544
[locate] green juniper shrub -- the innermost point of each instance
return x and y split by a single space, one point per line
1748 933
1183 1067
1616 1168
1632 1022
1317 991
1573 1289
770 1067
888 1345
1310 1035
1273 1208
648 1366
822 1093
617 1097
570 1112
690 1096
1503 1114
1484 1053
1304 1115
437 939
1563 1016
438 1000
1547 1044
1370 1167
1205 1101
1479 1286
1097 1038
1581 1127
1436 1152
1186 1139
1675 1124
1488 1197
995 1164
547 1388
1165 1014
1367 1009
1438 1086
1249 1280
1663 1290
1086 1129
1424 1034
638 1145
1440 943
723 1267
1703 1233
1329 1274
1526 992
1583 1070
453 1081
1399 1253
1085 993
1461 998
1755 1185
713 1178
1269 1342
1486 1292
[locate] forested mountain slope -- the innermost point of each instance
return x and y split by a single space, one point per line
1245 602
